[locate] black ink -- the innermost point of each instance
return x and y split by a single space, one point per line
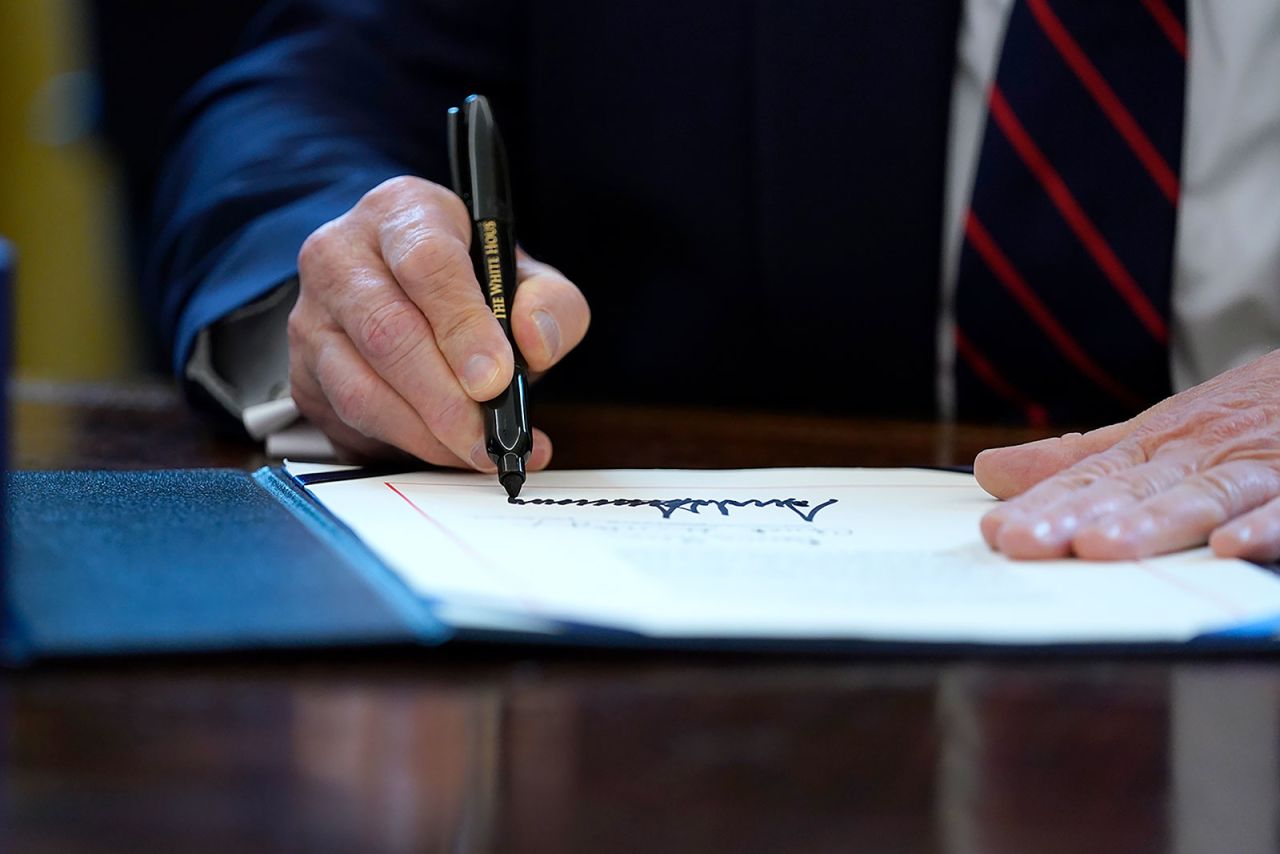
668 507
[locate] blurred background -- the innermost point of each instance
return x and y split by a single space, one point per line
86 90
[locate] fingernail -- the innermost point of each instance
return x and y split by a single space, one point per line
1042 531
548 331
1113 532
478 373
1241 533
480 458
990 528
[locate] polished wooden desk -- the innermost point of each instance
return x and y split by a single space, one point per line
475 749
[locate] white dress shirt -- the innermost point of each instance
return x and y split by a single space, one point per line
1226 281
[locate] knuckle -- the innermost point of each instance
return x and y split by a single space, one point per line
1260 448
406 195
1108 463
462 326
1247 483
431 261
1262 451
1163 420
306 326
1227 423
315 250
295 333
1151 479
1073 480
394 189
437 196
1223 492
1212 427
391 331
452 206
294 328
297 327
1137 487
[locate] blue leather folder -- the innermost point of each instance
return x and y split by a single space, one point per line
191 560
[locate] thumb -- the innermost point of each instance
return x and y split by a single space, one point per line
1006 472
550 315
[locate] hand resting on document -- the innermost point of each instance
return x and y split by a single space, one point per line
1201 466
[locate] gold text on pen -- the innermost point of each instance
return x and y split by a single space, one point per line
493 267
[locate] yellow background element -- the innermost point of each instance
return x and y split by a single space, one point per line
59 202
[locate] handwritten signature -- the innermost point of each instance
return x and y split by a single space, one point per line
668 507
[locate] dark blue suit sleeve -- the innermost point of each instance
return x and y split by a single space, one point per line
329 98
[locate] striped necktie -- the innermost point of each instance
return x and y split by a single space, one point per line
1062 295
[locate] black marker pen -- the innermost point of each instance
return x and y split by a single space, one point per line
479 164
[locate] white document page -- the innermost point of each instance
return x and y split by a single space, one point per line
878 554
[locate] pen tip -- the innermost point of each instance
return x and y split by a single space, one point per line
511 483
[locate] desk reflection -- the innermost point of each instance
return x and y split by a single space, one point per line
421 755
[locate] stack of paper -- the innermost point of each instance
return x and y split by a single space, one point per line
869 554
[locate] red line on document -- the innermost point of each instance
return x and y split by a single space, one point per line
462 544
458 541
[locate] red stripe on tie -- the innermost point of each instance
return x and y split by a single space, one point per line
1076 218
1036 414
1106 99
1167 21
982 241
